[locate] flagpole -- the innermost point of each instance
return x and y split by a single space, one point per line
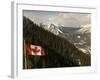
25 56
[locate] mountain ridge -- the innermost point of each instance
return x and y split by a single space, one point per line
61 47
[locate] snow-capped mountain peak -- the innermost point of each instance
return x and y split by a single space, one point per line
85 28
54 28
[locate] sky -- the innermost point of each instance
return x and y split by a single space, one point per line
66 19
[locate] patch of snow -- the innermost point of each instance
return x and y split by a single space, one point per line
78 36
85 28
54 28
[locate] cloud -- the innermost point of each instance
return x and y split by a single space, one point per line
71 19
66 19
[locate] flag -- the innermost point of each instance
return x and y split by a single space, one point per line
34 50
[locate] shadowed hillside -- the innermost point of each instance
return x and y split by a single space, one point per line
60 52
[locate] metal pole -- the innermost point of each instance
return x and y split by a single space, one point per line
25 64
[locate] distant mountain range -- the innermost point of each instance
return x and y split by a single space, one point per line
85 29
79 36
54 28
